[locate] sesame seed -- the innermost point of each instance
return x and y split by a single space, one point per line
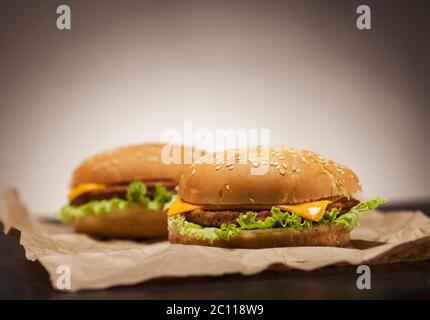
298 170
218 167
282 171
284 165
227 187
278 167
193 172
251 200
230 167
293 168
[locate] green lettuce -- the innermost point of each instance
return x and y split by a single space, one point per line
136 195
247 221
329 216
69 213
278 220
350 219
196 231
160 198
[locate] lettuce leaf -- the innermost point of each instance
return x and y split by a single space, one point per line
196 231
329 216
160 198
278 219
69 213
136 192
228 231
289 219
350 219
136 195
247 221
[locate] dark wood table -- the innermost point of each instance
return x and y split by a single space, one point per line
22 279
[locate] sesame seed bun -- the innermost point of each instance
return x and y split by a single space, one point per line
129 163
133 223
324 235
293 176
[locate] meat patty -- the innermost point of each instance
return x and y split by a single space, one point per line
215 218
343 205
119 191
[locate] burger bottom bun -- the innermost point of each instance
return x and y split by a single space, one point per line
135 223
325 235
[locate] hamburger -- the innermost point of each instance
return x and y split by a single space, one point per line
303 199
124 193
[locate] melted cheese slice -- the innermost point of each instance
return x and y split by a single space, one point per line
84 188
179 206
311 210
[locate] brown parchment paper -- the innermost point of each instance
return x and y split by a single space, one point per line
381 238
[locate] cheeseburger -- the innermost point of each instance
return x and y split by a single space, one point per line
123 193
302 199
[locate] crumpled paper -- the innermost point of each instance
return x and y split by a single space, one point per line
93 264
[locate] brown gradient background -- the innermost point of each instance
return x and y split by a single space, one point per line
130 69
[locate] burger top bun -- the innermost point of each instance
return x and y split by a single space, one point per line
293 176
130 163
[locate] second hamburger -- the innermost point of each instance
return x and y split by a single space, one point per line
123 193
